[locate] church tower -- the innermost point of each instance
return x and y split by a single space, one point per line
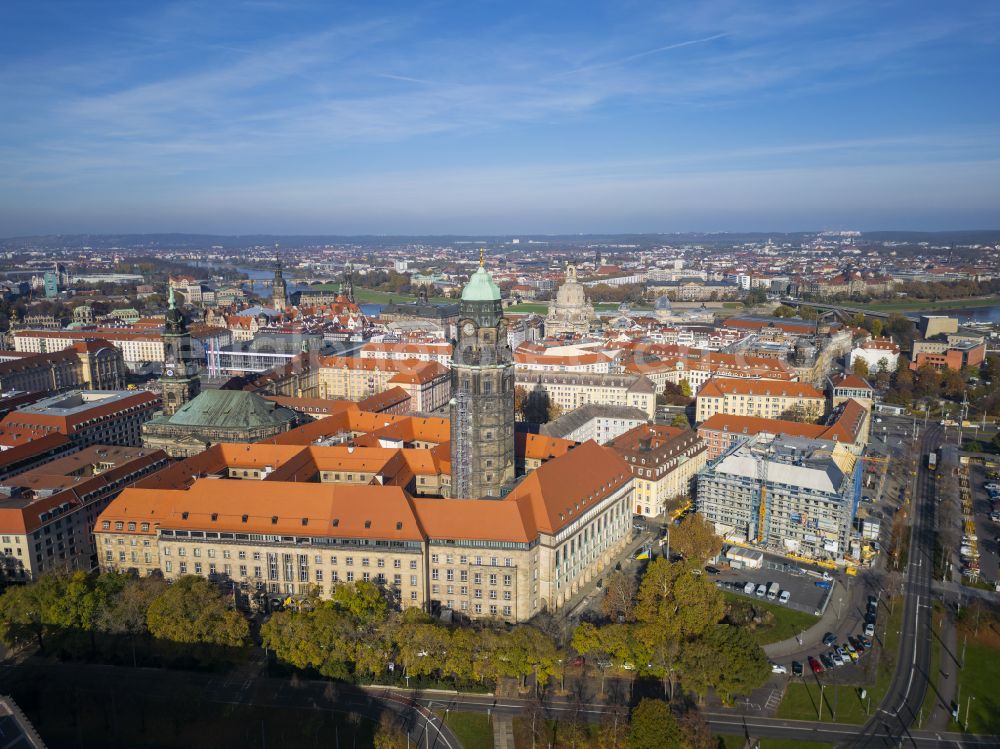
348 285
482 380
180 374
278 290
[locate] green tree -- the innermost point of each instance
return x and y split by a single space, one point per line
191 610
737 664
685 388
364 601
680 420
783 310
808 313
21 617
860 367
675 604
125 608
695 538
877 327
654 727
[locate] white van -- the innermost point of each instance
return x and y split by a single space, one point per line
748 589
772 591
785 595
761 590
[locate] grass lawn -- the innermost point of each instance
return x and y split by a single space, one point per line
473 730
738 742
917 305
363 296
786 623
527 307
732 305
841 702
978 680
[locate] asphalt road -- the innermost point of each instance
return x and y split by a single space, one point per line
889 726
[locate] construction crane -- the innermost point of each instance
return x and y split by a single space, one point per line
762 499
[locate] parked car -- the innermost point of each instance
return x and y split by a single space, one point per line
829 638
712 570
748 589
777 668
837 658
761 590
870 630
825 584
785 595
815 665
826 660
864 640
796 668
858 645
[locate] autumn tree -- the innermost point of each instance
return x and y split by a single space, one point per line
619 596
673 603
860 367
390 734
685 387
681 421
695 538
654 727
192 611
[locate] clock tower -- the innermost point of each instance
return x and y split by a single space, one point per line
482 381
180 375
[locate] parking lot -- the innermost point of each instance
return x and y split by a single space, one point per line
987 531
798 579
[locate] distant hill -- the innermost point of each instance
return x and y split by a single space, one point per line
535 241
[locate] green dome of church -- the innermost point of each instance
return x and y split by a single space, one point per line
481 288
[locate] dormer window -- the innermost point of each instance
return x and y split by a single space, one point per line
274 520
245 518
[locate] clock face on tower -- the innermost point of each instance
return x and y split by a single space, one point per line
469 328
170 373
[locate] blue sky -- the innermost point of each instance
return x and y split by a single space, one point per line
498 117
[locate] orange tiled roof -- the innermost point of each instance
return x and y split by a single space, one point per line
718 387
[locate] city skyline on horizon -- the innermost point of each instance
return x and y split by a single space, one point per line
248 118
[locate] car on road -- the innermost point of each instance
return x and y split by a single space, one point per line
870 630
796 668
815 665
785 595
777 668
829 638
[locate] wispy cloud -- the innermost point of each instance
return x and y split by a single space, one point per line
640 55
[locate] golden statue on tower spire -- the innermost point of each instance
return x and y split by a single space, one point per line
482 257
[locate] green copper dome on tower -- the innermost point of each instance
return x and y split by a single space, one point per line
481 286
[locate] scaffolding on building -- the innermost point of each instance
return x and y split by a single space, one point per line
461 467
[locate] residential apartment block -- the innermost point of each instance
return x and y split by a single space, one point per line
47 514
664 461
767 398
87 417
571 390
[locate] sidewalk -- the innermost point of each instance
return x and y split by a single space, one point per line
503 731
826 623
